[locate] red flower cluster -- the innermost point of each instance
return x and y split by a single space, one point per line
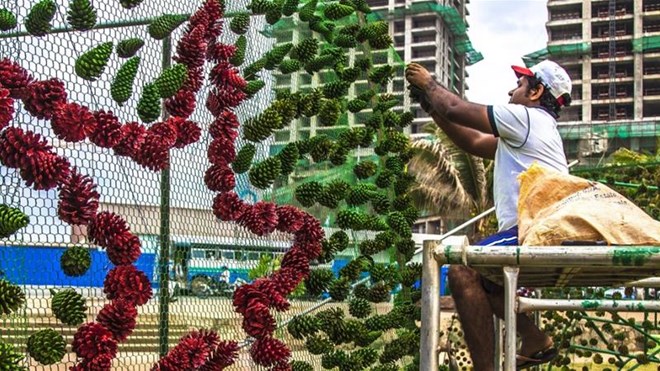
14 77
93 340
73 122
128 283
118 317
79 200
39 166
198 350
6 108
42 98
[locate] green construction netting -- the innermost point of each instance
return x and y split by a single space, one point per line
635 129
556 51
646 44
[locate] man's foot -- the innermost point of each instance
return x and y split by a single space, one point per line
419 76
538 358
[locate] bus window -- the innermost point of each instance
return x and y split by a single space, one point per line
228 255
197 254
210 254
253 256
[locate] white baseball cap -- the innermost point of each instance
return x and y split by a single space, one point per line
553 76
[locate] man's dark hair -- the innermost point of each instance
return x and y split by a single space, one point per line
547 101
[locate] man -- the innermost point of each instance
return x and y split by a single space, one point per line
515 135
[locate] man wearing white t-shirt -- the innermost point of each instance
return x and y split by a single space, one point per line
515 135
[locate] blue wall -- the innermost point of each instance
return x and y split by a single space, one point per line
41 266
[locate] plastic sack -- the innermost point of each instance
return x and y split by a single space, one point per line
555 207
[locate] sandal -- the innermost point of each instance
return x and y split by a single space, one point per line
538 358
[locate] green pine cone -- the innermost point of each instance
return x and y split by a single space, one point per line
91 64
336 89
405 119
369 247
336 11
46 346
359 194
129 47
327 199
381 42
273 15
263 174
351 219
81 15
148 107
11 220
318 345
339 240
399 224
359 308
329 112
320 147
243 159
7 20
276 55
365 169
171 80
301 366
379 293
253 87
239 55
338 156
261 6
319 63
381 75
240 23
122 86
335 358
258 128
289 66
11 297
289 7
362 6
250 71
289 156
307 11
310 103
10 359
163 26
75 261
307 193
339 289
318 281
372 30
306 50
130 4
353 269
69 306
37 22
302 326
345 41
380 203
350 74
356 105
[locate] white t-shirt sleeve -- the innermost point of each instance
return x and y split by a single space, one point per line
510 122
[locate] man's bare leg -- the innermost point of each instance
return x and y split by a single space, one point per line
533 339
475 313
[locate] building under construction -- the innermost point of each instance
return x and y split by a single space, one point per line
611 50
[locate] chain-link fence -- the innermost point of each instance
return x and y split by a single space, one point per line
67 229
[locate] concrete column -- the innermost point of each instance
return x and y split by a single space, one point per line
586 65
638 64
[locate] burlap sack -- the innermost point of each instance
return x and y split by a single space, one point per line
555 207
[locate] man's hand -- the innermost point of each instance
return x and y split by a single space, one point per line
418 95
419 76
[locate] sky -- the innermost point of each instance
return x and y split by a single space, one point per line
503 31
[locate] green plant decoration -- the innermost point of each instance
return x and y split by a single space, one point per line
148 107
240 23
11 297
130 4
7 20
81 15
69 306
243 159
307 11
91 64
161 27
121 88
239 55
171 80
253 87
301 366
46 346
39 18
10 359
12 219
129 47
75 261
289 7
261 6
337 11
263 174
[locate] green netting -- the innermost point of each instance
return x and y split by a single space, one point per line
535 57
569 49
646 44
634 129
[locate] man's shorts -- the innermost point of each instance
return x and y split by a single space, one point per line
508 237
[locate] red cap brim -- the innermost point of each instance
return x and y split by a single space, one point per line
522 71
